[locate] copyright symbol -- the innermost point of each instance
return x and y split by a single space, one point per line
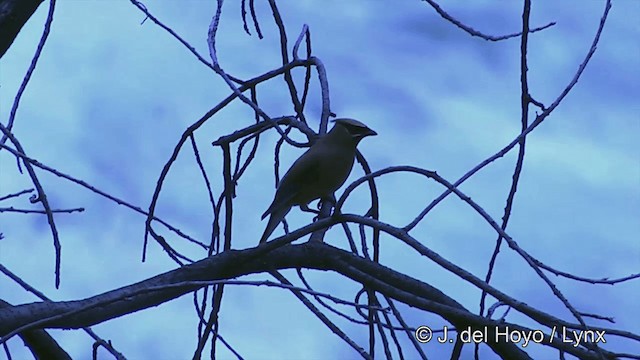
423 334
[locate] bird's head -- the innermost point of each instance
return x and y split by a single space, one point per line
354 128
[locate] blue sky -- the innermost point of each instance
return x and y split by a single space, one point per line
110 98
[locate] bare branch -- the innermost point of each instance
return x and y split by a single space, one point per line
471 31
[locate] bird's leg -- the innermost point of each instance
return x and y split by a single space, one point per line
325 211
325 204
331 199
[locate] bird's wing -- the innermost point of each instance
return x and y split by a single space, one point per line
304 171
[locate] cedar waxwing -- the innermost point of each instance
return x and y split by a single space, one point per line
319 172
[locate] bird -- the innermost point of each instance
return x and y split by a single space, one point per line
317 173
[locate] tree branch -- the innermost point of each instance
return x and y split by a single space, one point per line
234 263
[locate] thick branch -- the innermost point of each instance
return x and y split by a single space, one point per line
40 343
234 263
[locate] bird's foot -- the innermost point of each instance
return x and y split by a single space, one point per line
306 208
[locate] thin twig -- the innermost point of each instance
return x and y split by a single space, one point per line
42 198
471 31
325 320
21 192
28 211
512 244
524 122
539 119
92 188
30 70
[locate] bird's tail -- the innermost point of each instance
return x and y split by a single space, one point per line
274 220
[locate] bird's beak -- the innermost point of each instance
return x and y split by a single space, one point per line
369 133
